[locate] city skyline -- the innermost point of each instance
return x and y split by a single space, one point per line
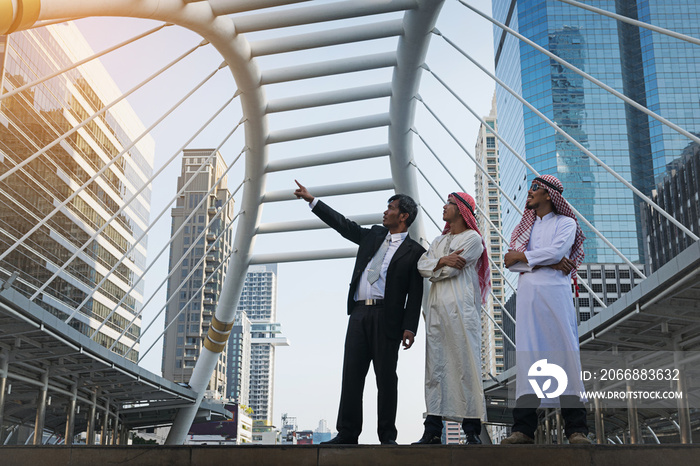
324 320
469 138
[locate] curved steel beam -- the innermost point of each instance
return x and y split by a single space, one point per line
411 52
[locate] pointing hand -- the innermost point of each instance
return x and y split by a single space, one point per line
302 193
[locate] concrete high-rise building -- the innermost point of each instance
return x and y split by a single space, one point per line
657 71
259 302
238 360
677 193
198 285
488 199
30 121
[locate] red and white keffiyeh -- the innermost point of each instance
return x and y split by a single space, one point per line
465 204
521 235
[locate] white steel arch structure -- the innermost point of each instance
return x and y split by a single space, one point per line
231 27
210 20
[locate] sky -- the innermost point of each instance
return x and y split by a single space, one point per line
311 295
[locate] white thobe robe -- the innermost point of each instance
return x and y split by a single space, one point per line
546 318
453 385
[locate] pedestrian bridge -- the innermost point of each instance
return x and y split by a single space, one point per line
349 86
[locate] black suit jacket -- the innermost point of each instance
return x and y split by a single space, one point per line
404 285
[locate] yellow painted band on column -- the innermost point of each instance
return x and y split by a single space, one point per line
6 15
217 337
27 14
213 347
221 326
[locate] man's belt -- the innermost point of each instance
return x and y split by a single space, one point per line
370 302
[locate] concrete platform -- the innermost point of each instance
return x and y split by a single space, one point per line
363 455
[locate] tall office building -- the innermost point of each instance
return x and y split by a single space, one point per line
488 200
655 70
259 302
29 122
238 360
678 195
199 232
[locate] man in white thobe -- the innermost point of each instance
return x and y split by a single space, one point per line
457 266
547 246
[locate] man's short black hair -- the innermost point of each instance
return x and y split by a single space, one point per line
406 206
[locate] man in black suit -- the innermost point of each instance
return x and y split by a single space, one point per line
384 307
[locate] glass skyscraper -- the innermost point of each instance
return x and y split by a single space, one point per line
30 121
657 71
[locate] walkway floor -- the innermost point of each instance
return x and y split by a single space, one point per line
364 455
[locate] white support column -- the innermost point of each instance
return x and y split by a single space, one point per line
684 425
90 440
70 415
4 367
105 424
598 416
632 418
41 408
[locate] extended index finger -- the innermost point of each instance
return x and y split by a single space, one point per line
299 184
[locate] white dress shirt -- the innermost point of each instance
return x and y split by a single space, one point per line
365 289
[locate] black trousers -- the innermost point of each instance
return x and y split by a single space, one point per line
433 425
367 342
572 410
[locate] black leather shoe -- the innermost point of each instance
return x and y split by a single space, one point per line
340 440
389 442
473 439
428 439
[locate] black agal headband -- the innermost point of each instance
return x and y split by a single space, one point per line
459 198
554 187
